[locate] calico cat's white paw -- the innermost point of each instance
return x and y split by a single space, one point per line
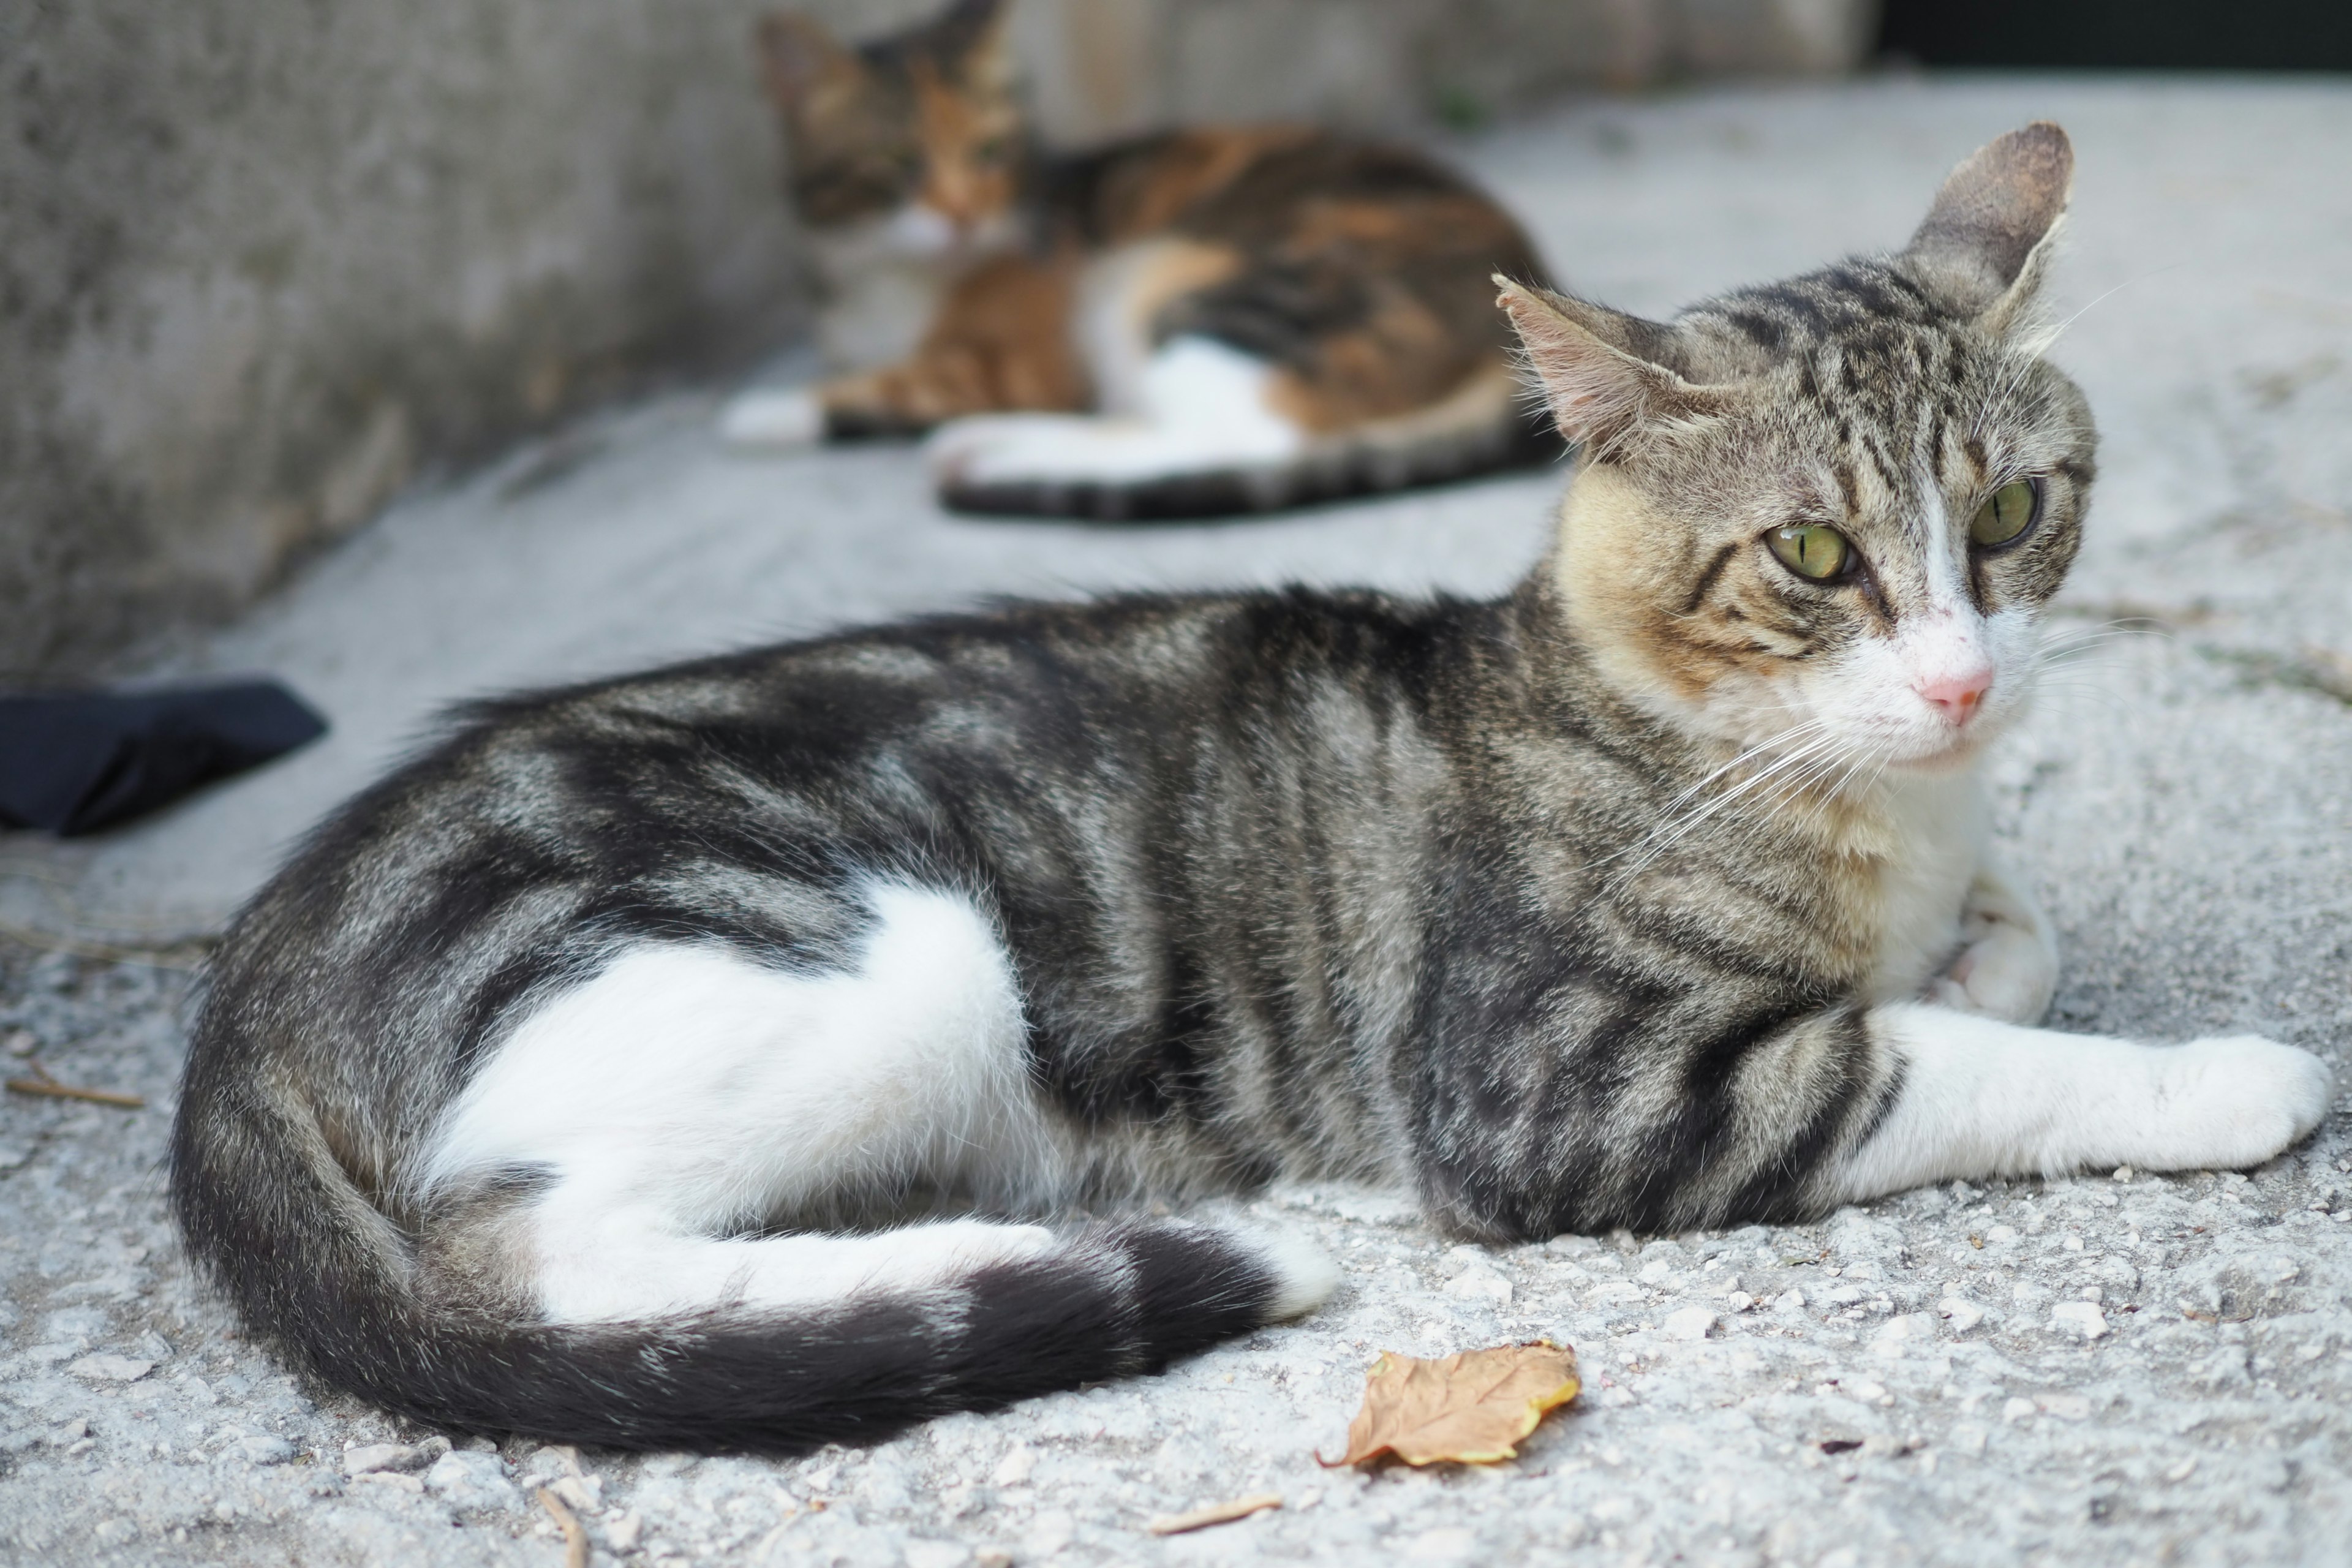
788 416
2227 1104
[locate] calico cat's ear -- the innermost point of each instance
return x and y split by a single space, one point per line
1599 367
972 35
796 52
1985 242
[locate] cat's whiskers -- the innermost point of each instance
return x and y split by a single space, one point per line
1806 727
1675 830
2057 647
1823 800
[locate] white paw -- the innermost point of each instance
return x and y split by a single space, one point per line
2224 1104
791 417
2008 975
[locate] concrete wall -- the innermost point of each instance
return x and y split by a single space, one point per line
262 261
1099 66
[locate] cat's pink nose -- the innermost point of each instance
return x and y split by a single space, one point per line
1958 697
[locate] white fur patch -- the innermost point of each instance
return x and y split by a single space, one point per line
687 1094
1201 407
885 279
774 416
1305 1278
1934 844
1983 1098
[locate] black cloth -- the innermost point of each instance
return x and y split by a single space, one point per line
76 763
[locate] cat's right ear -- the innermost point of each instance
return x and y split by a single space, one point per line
1983 246
796 52
1596 367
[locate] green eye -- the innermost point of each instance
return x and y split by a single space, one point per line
2004 515
1811 549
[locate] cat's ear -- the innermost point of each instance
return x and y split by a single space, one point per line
796 52
1983 248
975 33
1599 367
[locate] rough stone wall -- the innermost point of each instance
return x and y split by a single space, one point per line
262 261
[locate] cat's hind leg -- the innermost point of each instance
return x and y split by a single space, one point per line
657 1125
1973 1096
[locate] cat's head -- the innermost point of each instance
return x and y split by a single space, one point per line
916 140
1826 514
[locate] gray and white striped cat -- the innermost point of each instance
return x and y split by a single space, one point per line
574 1080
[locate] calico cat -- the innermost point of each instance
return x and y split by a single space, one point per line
1187 323
710 1057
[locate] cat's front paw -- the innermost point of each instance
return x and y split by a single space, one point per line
2225 1104
2008 974
774 416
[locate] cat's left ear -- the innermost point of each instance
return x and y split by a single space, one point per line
796 52
1600 367
1984 243
977 35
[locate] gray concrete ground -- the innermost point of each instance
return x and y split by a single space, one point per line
2118 1368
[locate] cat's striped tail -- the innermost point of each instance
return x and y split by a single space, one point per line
1209 447
269 1213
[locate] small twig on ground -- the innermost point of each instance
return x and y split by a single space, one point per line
1215 1513
42 1083
183 954
575 1538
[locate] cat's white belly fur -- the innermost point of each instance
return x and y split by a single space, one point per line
686 1096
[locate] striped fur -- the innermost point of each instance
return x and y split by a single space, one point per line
711 1057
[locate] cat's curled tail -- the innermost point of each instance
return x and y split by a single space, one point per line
491 1311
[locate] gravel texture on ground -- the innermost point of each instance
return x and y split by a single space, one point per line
2117 1368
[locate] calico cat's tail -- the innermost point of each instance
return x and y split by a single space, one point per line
1201 461
269 1213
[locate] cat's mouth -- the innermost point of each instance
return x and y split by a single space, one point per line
919 229
1957 752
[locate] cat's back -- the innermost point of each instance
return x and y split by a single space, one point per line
683 798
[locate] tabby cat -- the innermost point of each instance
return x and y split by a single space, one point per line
710 1057
1192 323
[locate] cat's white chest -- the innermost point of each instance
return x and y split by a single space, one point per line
879 297
877 315
1936 827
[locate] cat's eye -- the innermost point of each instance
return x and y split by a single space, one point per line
2006 513
1812 550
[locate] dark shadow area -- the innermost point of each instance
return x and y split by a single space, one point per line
2148 35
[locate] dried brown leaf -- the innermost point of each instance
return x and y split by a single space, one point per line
1472 1408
